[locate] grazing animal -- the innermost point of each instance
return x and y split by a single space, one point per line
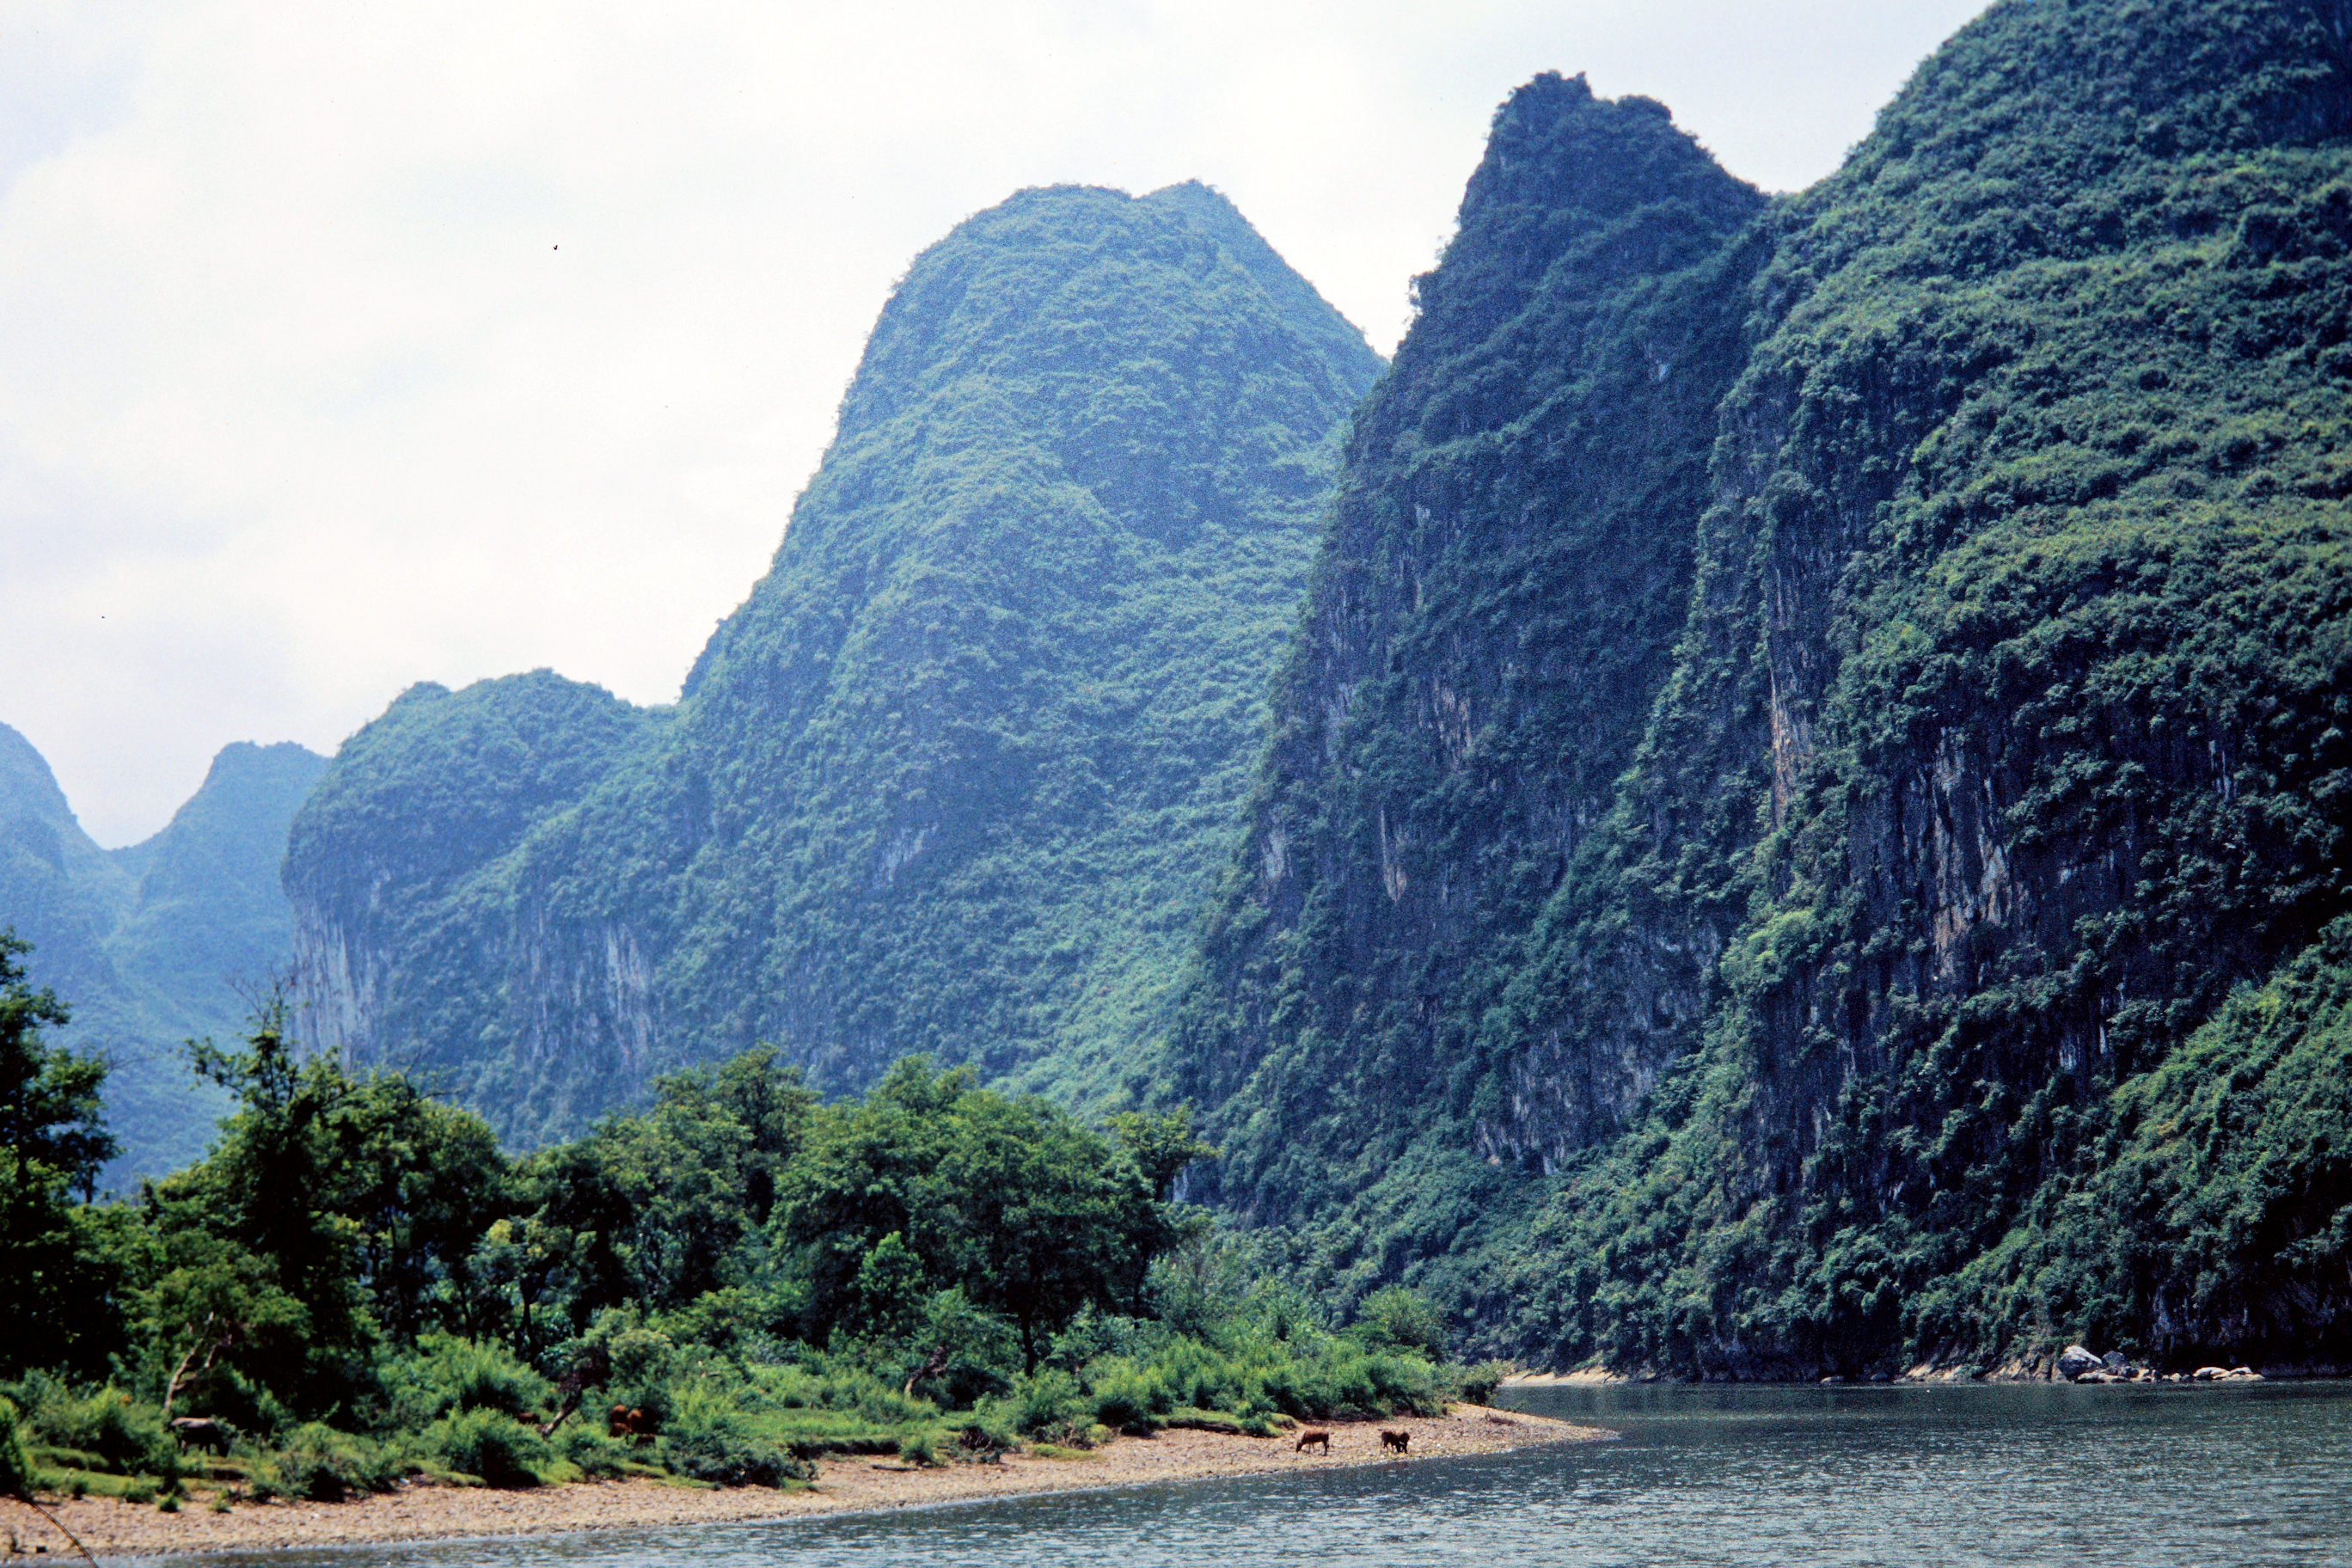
1321 1439
1396 1441
627 1421
202 1430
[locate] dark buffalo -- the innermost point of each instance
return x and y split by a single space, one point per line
207 1433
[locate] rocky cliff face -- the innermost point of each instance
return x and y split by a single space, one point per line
151 944
954 776
408 861
1493 615
2000 738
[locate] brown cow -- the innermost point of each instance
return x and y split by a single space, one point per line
1396 1441
626 1421
1323 1438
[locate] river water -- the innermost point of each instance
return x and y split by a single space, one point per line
2246 1474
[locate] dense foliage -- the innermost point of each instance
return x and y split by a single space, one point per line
155 941
355 1285
2002 737
1804 827
1493 612
954 777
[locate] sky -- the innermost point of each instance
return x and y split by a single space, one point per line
344 346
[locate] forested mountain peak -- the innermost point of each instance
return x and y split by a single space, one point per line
953 776
1999 737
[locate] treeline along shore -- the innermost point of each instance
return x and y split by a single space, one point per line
357 1294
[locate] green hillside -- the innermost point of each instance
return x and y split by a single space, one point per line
159 943
954 777
2003 737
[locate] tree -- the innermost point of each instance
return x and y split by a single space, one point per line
1046 1218
1162 1145
698 1171
53 1140
1025 1211
360 1199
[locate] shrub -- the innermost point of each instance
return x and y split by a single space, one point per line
1121 1393
323 1465
449 1374
708 1439
1397 1318
984 1437
582 1444
16 1469
490 1443
1477 1384
106 1424
1048 1401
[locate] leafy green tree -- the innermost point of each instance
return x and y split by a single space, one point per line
1162 1145
1397 1316
1047 1217
869 1170
419 1181
1030 1214
558 1262
358 1200
52 1141
699 1173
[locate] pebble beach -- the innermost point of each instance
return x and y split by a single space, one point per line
110 1527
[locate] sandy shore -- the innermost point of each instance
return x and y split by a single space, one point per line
111 1528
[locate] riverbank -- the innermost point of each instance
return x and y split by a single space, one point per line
111 1528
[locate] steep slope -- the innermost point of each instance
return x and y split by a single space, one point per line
1492 617
2004 736
955 775
151 944
2021 658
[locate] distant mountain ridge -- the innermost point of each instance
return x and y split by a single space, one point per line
954 777
149 944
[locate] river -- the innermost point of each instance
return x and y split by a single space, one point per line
2243 1474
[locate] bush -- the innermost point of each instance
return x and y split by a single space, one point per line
1397 1318
449 1375
323 1465
1477 1384
122 1434
490 1443
710 1440
1047 1401
984 1437
585 1444
16 1469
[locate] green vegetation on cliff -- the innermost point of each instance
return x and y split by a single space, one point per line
2004 735
952 780
1494 609
1802 827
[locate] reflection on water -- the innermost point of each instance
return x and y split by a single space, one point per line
2252 1474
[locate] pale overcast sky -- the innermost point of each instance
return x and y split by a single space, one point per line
347 345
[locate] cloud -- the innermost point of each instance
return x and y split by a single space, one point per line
344 347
